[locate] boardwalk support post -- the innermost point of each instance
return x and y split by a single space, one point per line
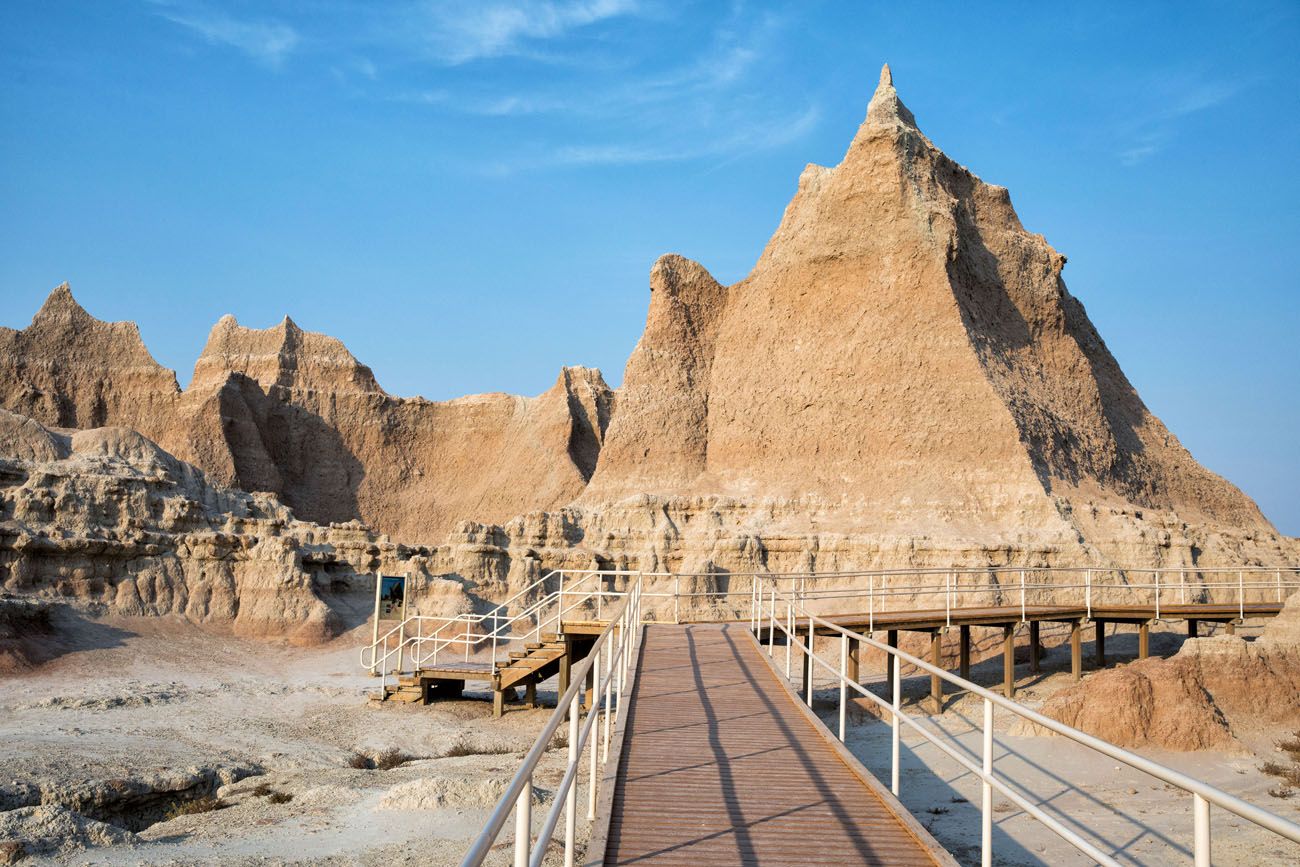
965 652
1034 666
854 669
1101 643
1191 628
1009 661
1076 649
1144 639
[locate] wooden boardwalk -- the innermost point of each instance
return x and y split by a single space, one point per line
721 765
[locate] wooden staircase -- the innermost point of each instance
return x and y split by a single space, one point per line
538 661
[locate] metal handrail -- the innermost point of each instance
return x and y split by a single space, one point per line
1203 794
609 696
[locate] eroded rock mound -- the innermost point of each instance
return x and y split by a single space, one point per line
1200 698
115 524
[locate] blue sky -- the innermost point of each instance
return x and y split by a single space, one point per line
471 194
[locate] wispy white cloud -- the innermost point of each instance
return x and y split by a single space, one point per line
268 42
1177 98
751 138
458 31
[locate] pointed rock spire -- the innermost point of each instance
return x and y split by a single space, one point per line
60 303
886 108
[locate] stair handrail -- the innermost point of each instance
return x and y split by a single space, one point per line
619 642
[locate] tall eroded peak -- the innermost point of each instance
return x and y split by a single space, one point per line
60 304
69 369
283 355
885 107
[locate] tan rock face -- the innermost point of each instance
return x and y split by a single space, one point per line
108 520
905 358
68 369
903 380
293 413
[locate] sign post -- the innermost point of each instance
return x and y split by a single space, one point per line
390 604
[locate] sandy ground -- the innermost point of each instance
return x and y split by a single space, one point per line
151 701
164 698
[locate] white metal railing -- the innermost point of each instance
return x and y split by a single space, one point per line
422 639
795 613
609 661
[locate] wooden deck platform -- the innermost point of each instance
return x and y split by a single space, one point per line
721 764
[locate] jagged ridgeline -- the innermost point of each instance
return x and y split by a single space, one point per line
903 379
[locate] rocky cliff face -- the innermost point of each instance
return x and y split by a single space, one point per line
293 413
903 380
107 519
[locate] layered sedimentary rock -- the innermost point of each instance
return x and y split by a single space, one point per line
903 380
289 412
106 519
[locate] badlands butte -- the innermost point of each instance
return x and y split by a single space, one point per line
902 380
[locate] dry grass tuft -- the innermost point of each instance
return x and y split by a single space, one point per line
385 760
262 790
1290 774
391 758
279 798
205 804
1281 791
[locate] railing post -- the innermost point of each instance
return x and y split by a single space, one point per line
401 643
594 707
524 824
1088 584
811 668
898 701
1279 585
609 681
1241 595
1182 586
1022 595
570 798
947 599
871 603
771 622
986 807
789 631
1201 826
844 685
1156 572
677 589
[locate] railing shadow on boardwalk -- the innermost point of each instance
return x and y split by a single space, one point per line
744 814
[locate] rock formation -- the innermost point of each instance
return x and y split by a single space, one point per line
903 380
1202 697
107 519
289 412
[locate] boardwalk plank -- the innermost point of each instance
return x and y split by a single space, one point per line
720 766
